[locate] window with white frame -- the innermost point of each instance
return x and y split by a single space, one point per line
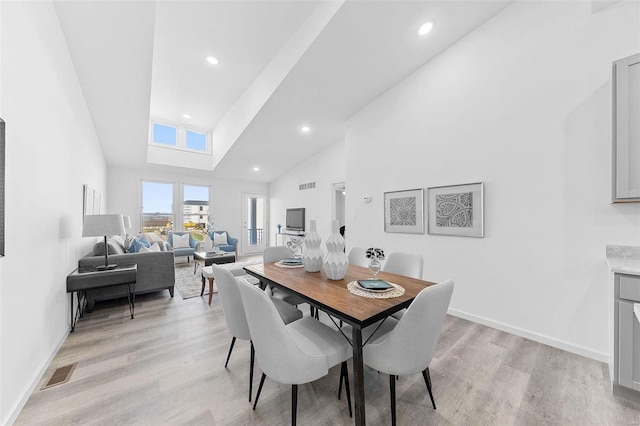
178 136
157 208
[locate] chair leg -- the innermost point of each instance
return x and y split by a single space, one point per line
259 390
294 403
233 341
427 380
252 362
345 372
340 385
392 388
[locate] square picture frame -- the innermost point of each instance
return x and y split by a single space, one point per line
404 211
456 210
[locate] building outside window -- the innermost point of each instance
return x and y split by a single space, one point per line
195 210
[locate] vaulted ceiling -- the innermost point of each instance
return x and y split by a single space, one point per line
281 65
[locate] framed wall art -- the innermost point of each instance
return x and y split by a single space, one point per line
404 211
456 210
91 200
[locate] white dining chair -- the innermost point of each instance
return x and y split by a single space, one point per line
276 254
407 264
408 348
297 353
234 314
357 257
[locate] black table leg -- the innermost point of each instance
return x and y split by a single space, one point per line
73 324
358 374
132 298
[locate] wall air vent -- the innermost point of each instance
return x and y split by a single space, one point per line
310 185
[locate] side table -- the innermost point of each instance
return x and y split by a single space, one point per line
83 279
205 259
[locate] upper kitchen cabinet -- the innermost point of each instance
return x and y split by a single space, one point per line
626 130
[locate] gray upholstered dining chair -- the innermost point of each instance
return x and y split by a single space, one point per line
234 314
276 254
407 264
408 348
297 353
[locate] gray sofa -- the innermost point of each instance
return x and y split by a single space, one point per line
155 273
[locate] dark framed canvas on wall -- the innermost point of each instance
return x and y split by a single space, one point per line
1 187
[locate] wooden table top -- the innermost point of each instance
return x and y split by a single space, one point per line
333 295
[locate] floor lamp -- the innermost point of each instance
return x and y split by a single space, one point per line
103 225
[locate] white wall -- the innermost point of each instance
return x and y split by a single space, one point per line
325 168
51 151
523 104
226 199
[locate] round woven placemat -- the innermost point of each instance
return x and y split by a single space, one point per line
279 264
355 288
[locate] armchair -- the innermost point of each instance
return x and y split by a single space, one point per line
232 243
183 251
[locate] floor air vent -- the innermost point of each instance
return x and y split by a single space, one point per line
60 376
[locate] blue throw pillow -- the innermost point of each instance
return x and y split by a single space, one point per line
144 241
135 245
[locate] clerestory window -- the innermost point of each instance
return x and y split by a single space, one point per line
178 136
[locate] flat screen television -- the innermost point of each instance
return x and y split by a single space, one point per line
295 220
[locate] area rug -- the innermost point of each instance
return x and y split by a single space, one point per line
188 284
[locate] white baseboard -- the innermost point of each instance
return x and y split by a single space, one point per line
25 397
551 341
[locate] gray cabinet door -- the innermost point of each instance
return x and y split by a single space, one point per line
629 346
626 129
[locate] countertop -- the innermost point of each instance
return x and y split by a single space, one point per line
624 259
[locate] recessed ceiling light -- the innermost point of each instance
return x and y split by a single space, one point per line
425 28
305 129
186 115
256 169
212 60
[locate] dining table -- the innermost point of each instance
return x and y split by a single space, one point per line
334 298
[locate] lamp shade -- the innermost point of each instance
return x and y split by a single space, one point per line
100 225
127 222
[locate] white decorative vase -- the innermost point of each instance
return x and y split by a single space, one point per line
312 256
335 262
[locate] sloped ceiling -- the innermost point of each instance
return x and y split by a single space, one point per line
282 64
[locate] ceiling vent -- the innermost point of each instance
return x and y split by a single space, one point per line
310 185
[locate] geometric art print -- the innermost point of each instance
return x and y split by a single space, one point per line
454 210
402 211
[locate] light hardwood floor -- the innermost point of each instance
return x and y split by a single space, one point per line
167 367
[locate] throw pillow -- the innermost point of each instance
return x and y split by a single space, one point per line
118 239
220 239
155 247
207 244
144 240
135 246
180 241
144 249
128 239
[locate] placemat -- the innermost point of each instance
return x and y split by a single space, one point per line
355 288
279 264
